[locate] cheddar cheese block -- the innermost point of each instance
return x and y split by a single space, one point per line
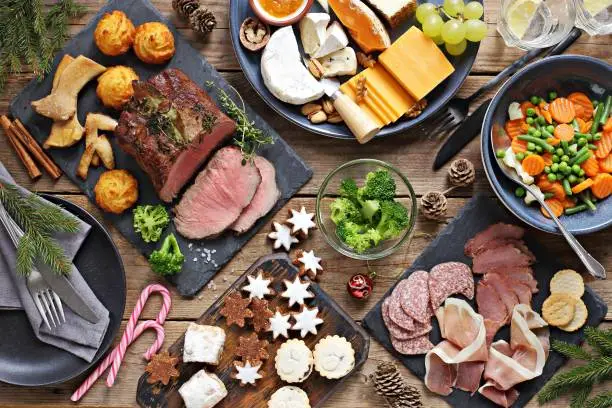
416 62
363 24
385 101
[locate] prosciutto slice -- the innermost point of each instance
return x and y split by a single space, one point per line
465 342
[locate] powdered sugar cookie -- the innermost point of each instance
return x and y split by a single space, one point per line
282 236
247 373
279 324
301 222
309 263
258 286
307 321
296 291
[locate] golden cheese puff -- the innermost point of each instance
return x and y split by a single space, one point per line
114 33
154 43
115 86
116 191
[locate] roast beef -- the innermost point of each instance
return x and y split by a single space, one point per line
219 195
496 232
265 197
507 256
170 127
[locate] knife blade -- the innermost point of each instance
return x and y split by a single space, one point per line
68 294
466 131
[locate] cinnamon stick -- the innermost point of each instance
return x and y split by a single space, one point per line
23 155
32 145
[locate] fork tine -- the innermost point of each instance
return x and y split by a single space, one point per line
440 128
46 304
434 125
41 310
52 306
58 302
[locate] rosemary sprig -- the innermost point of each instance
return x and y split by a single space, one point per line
38 221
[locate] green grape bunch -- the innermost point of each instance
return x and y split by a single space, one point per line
453 24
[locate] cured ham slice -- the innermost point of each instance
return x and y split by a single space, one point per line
500 397
523 292
506 256
504 291
492 309
468 376
465 342
447 279
496 232
415 297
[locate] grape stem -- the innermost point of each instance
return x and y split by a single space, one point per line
459 15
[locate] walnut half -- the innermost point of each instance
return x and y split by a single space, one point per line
254 35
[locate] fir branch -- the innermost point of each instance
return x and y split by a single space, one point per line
580 396
600 340
600 401
571 350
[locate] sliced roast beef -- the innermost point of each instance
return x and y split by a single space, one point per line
523 275
506 256
495 232
266 196
219 195
523 292
504 291
170 127
491 307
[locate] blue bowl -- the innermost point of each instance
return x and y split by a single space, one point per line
563 74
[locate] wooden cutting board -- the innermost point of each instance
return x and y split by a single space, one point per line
336 322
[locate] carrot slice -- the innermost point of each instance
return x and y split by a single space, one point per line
556 188
604 145
519 146
581 125
582 104
605 165
579 188
587 127
608 125
555 205
516 128
562 110
533 164
545 111
526 105
568 203
602 186
553 141
591 167
564 132
547 159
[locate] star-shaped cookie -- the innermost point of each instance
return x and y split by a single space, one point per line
247 373
258 286
301 221
250 348
279 324
296 291
307 321
235 309
309 264
282 236
261 314
162 368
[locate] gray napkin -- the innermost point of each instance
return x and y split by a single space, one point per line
76 335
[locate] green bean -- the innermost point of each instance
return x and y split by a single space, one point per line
580 152
592 146
606 111
582 158
538 142
567 187
581 135
598 115
520 192
587 200
576 209
548 196
546 134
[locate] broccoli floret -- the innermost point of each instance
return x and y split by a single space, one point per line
394 219
168 260
379 185
343 209
150 221
358 237
369 208
348 189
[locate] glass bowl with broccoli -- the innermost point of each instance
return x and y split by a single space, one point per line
366 209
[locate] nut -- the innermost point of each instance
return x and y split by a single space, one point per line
328 106
365 60
317 117
417 109
315 68
335 118
311 108
254 35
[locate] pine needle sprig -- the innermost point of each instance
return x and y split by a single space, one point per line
600 401
580 396
571 350
600 340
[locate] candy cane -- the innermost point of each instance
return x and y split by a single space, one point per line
97 373
129 333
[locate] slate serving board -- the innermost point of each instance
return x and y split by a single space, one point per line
478 214
336 322
291 171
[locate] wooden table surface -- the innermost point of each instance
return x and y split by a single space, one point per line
412 156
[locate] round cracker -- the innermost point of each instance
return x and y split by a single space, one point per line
558 309
580 317
567 281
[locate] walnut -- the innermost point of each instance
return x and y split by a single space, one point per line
254 35
417 109
365 60
362 89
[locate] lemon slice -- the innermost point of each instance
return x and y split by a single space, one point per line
520 14
594 7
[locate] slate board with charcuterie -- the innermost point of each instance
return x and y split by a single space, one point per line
479 214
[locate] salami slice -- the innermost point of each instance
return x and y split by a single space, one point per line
398 316
418 345
394 329
447 279
415 296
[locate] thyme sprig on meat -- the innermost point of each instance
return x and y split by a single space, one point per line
250 138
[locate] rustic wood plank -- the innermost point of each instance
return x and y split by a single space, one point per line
355 393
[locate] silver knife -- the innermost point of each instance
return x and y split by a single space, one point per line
68 294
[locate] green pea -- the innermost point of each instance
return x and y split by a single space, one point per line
560 152
555 159
580 179
529 121
572 179
541 120
535 100
563 165
560 176
552 177
539 149
501 153
582 173
537 133
597 136
552 96
576 169
519 156
531 112
554 167
550 128
567 170
582 142
565 158
589 137
531 146
520 192
531 131
547 169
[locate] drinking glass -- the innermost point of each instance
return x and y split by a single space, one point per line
530 24
594 16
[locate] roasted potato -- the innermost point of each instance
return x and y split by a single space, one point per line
114 34
154 43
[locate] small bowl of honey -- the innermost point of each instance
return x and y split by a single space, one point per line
280 12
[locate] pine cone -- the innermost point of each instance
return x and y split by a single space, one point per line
388 381
433 205
462 173
185 7
202 21
410 399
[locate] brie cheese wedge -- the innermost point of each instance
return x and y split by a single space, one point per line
335 39
283 72
341 62
312 31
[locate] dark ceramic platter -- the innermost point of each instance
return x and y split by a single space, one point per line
250 62
24 360
478 214
291 171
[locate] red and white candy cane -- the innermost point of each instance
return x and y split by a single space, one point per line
131 333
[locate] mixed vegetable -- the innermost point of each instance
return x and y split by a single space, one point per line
563 145
366 216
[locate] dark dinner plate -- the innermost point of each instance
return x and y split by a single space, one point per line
250 61
24 360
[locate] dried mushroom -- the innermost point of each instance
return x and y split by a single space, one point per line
254 35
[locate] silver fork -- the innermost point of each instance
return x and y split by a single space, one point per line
47 302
